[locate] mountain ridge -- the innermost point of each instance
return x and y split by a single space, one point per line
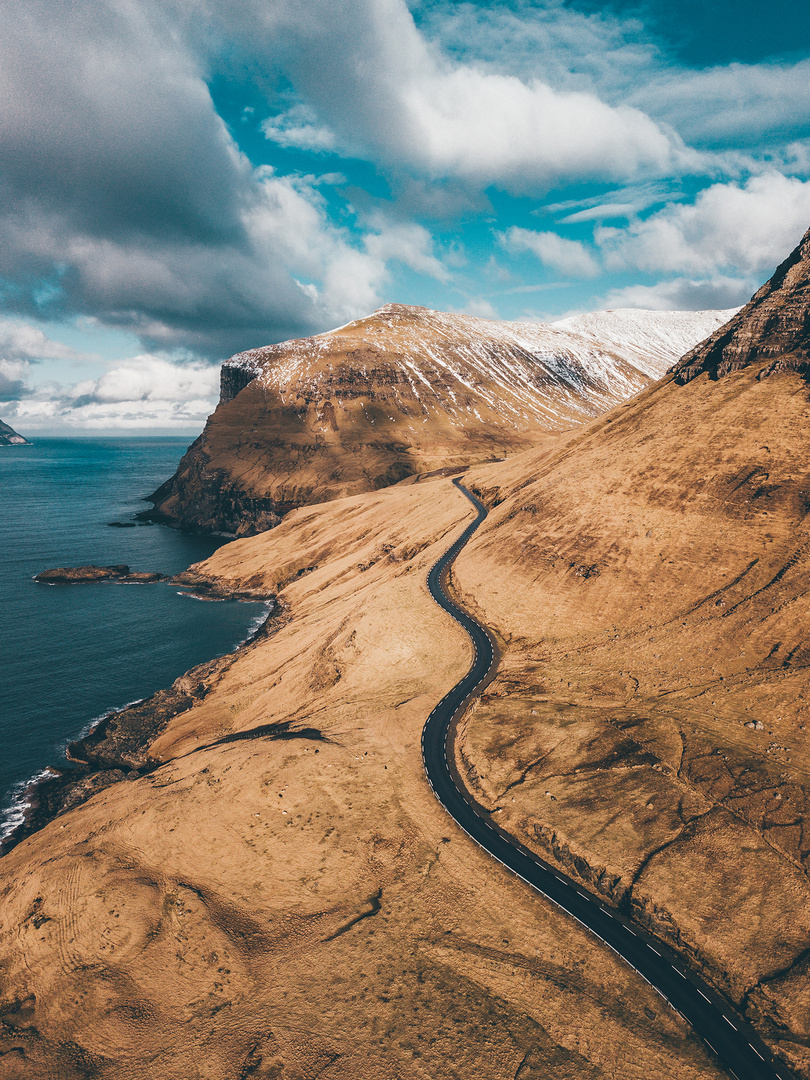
774 324
403 392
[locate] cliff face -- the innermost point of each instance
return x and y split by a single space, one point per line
9 437
403 392
774 324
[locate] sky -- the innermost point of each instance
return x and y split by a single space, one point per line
181 180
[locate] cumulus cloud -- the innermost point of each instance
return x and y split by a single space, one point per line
149 378
123 195
746 228
375 81
408 243
20 340
140 392
569 256
733 105
683 294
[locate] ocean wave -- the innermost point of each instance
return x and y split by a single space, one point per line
257 623
20 802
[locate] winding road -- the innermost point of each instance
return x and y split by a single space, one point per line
732 1040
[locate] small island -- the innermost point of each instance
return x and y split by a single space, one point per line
9 437
72 575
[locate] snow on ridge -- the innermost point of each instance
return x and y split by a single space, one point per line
519 372
654 340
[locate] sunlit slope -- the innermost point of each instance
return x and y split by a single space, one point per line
650 578
284 897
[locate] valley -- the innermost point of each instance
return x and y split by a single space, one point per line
273 891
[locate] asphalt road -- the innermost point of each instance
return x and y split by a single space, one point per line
734 1043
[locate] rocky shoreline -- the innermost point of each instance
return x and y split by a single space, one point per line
191 583
117 746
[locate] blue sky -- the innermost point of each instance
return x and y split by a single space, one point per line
182 180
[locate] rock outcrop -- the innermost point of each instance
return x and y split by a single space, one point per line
404 392
9 437
774 325
75 575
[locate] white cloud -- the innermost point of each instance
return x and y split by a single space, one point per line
737 104
407 243
289 223
298 127
569 256
140 392
150 378
21 340
372 78
745 230
480 307
683 294
734 105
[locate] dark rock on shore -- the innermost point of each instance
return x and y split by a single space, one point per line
73 575
198 585
122 738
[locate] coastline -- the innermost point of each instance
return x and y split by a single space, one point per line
115 746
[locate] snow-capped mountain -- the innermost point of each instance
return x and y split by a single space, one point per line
405 391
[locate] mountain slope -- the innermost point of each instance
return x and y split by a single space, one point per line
405 391
650 581
285 876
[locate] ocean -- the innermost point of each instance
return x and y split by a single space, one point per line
70 653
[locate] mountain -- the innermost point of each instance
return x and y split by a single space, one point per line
405 391
269 870
9 437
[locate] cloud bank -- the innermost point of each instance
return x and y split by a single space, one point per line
217 176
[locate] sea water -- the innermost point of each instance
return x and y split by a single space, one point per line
70 653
